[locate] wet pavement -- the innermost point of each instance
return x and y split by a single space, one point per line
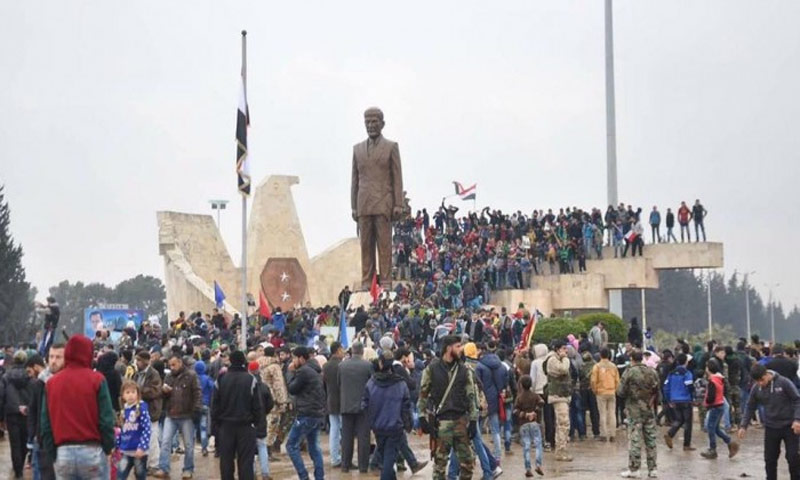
592 460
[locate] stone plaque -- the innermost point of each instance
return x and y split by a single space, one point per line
284 283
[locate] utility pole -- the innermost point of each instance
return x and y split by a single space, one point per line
708 289
772 312
614 296
747 302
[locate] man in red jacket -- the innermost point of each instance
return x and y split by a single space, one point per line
77 419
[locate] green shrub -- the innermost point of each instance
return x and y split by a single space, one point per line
550 329
616 328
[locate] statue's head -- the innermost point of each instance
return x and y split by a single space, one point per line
373 120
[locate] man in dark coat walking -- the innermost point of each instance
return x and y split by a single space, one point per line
330 377
235 410
353 376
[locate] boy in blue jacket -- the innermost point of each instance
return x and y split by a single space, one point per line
206 389
134 440
388 405
679 394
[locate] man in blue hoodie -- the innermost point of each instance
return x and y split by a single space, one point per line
388 405
494 378
206 389
679 393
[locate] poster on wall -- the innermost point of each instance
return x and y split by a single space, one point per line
112 319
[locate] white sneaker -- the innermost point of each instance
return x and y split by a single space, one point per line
630 474
497 472
652 474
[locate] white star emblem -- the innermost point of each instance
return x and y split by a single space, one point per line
284 277
285 296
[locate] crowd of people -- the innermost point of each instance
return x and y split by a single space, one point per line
471 381
457 261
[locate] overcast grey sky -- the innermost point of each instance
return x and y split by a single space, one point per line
113 110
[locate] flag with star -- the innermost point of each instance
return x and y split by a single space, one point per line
242 123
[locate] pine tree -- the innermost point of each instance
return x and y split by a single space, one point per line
16 302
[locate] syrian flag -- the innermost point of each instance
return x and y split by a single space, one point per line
263 306
242 123
465 193
527 334
375 289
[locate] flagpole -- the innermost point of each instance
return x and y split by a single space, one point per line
243 340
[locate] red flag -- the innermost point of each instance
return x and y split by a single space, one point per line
263 306
375 290
527 334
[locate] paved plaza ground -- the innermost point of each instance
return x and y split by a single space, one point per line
593 460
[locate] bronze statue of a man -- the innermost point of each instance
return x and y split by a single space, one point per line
376 198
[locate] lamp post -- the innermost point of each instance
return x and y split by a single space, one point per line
218 205
747 301
772 286
708 290
614 296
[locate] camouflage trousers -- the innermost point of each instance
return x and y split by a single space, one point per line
273 426
641 429
287 420
562 427
736 405
453 434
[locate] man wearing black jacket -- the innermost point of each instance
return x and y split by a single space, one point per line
781 419
305 385
14 400
235 411
785 366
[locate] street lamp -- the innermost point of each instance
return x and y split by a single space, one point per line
708 290
218 205
747 301
772 286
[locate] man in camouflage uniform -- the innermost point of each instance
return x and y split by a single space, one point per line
272 376
559 387
639 386
454 412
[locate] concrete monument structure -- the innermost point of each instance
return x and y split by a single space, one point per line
278 265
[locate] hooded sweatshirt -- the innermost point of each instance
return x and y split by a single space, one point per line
77 405
388 403
537 370
206 384
494 378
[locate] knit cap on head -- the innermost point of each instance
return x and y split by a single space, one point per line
471 351
386 343
237 358
252 366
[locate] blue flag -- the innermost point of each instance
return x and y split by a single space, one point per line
343 329
219 295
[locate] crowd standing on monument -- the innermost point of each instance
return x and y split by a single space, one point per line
459 260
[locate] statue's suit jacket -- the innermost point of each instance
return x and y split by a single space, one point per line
377 183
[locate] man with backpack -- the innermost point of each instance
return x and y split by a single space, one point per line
494 377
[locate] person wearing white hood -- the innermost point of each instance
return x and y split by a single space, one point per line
539 380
